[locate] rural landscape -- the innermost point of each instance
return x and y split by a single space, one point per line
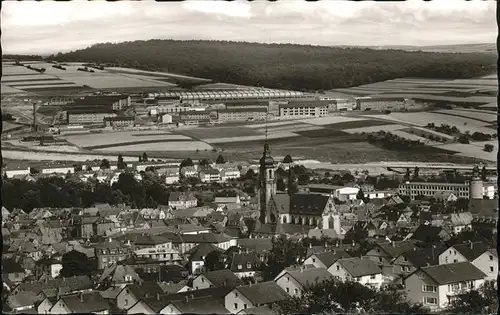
249 157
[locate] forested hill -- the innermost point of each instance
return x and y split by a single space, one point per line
284 66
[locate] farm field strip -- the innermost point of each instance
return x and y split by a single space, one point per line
475 82
481 116
9 89
46 156
48 86
112 81
386 128
328 120
439 134
291 128
8 79
221 132
470 151
493 104
17 70
413 137
358 124
169 146
93 139
279 123
163 74
158 142
38 82
277 135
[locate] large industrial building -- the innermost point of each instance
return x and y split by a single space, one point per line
307 108
381 103
240 94
119 122
474 189
88 116
111 102
242 114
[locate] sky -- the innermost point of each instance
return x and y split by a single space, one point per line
45 27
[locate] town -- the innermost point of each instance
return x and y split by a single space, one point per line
111 238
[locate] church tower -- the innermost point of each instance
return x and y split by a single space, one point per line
267 182
476 185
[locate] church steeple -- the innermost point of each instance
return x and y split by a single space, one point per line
267 182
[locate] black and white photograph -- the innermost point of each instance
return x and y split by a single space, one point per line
249 157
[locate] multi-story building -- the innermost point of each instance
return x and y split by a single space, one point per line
119 122
306 108
194 115
88 116
210 175
461 190
242 113
60 100
110 252
436 286
238 94
173 109
111 102
381 103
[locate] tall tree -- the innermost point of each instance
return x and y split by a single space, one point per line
287 159
144 157
220 159
105 164
75 263
482 301
214 261
120 164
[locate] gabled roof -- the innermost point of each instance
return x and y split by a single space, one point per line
21 299
180 196
309 276
308 204
200 251
425 256
247 262
222 278
263 293
86 303
258 245
358 267
261 310
485 207
462 218
144 290
328 258
203 305
471 250
452 273
394 249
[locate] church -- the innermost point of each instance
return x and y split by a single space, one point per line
282 211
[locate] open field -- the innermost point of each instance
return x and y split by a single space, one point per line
15 79
358 124
242 139
424 118
425 133
386 128
114 138
5 89
164 146
329 120
472 150
483 116
273 124
49 156
291 128
219 132
158 74
38 82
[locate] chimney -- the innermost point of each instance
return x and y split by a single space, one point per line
225 283
310 245
146 295
302 268
393 244
191 295
471 245
110 240
81 297
186 298
158 296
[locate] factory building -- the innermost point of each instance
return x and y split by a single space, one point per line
111 102
88 116
119 122
172 109
306 108
381 103
242 114
474 189
234 94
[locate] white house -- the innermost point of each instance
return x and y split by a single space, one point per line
295 281
364 271
253 296
346 193
91 302
171 178
461 221
436 286
229 173
479 254
182 200
189 171
325 259
210 175
165 118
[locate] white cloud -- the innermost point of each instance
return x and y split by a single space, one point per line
52 26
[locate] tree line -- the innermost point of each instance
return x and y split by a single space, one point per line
282 66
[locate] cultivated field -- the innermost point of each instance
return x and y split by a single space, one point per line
5 89
46 156
323 121
115 138
483 116
219 132
166 146
386 128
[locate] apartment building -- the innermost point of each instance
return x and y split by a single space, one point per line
119 122
461 190
381 104
306 108
242 113
88 116
194 115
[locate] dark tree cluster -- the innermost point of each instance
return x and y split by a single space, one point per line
393 142
56 192
282 66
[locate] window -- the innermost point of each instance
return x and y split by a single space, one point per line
372 277
491 257
491 269
244 306
287 290
249 265
296 291
429 288
430 300
235 294
235 306
314 260
240 267
202 279
126 302
338 267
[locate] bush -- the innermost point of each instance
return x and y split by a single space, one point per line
488 147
